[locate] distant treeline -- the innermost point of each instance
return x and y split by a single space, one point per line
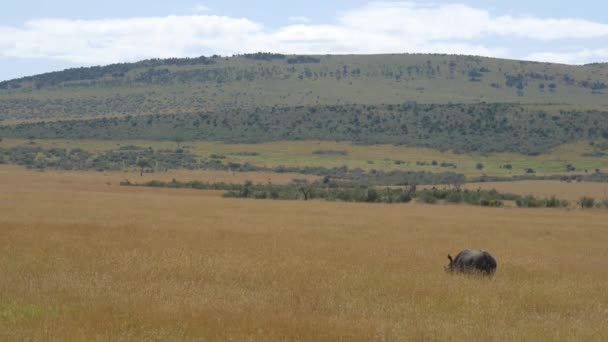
597 176
154 67
463 128
149 161
515 76
117 70
353 192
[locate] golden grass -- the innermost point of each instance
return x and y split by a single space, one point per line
8 173
87 261
14 122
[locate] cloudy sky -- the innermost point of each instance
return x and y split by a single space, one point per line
46 35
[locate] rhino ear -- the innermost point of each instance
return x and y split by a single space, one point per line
450 257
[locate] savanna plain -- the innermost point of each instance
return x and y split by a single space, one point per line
82 258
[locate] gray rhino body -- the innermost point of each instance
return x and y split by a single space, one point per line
472 262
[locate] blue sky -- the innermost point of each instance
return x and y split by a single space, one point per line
40 36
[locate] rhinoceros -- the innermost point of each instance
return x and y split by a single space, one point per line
472 262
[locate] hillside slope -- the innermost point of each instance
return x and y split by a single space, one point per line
203 84
460 103
459 127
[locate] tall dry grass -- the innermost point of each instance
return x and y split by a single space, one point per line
93 262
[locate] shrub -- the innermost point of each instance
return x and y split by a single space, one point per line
602 203
479 166
404 197
245 154
454 197
372 195
331 152
231 194
586 202
554 202
484 202
426 197
529 202
260 195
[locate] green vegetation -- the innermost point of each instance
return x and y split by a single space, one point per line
586 202
461 128
330 152
378 164
342 191
297 190
599 177
332 190
149 160
459 103
484 198
603 203
188 85
531 201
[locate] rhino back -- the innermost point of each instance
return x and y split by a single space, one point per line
475 259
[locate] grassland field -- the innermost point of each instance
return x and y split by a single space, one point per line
367 157
84 260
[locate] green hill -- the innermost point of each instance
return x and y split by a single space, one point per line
443 101
265 80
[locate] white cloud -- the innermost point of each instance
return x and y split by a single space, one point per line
573 57
115 40
200 8
549 29
299 19
378 27
418 22
456 21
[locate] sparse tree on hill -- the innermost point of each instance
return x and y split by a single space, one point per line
304 187
142 164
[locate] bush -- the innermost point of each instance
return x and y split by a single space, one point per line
405 197
586 202
529 202
330 152
426 197
602 203
554 202
372 195
356 192
479 166
454 197
245 154
490 203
